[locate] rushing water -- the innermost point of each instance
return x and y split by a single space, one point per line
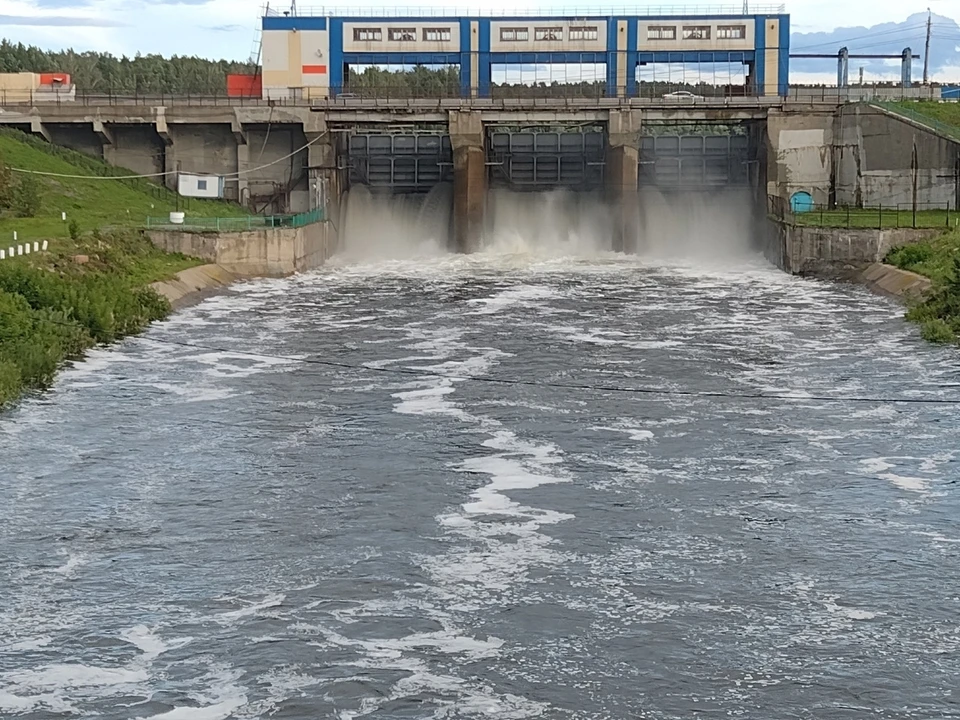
441 489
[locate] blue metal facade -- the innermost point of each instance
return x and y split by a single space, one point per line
637 51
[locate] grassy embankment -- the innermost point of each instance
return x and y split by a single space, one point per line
53 307
938 259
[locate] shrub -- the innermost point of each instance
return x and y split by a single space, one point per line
9 381
7 186
937 331
909 256
27 197
74 229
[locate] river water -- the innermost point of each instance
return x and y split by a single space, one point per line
446 489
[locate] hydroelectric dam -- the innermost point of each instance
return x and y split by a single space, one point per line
462 157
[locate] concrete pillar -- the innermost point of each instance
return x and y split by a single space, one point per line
469 179
37 128
243 159
107 145
621 170
169 160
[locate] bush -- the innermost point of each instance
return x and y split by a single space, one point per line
909 256
47 317
27 197
74 229
9 381
7 186
937 331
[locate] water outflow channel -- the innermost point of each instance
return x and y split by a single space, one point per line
561 222
500 485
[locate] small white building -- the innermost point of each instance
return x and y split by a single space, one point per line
200 186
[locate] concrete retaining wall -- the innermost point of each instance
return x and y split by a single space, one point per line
273 252
834 252
892 281
193 284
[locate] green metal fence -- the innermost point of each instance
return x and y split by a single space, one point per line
236 224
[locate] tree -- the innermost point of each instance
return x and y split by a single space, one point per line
27 197
7 186
94 72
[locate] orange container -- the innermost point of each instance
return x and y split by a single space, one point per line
50 79
244 86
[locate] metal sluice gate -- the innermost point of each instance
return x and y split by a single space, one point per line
545 159
403 163
694 161
539 160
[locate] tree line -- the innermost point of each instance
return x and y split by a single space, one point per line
96 72
102 73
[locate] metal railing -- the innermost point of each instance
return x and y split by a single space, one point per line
875 217
237 224
942 128
546 12
866 93
500 96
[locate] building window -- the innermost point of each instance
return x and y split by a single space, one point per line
584 33
661 32
514 34
367 34
402 35
731 32
548 34
436 34
696 32
201 184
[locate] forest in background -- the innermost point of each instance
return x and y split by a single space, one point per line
95 72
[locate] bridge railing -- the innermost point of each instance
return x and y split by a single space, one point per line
559 95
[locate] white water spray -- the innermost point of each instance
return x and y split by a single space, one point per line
395 227
707 225
699 226
558 223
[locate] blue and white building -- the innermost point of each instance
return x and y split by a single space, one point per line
308 54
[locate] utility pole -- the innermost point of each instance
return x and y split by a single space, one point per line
926 51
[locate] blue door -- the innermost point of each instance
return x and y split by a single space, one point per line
801 202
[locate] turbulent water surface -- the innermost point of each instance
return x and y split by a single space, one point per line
496 486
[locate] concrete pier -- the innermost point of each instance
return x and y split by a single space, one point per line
469 179
622 165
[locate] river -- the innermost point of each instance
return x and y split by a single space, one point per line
491 486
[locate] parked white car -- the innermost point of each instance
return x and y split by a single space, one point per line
682 95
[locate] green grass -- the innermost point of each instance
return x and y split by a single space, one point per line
878 218
937 314
933 258
93 203
942 116
52 307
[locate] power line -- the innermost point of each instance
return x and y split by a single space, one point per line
168 172
867 36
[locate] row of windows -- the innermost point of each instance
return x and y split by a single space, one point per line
401 34
696 32
555 34
548 34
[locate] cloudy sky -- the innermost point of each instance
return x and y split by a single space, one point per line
226 28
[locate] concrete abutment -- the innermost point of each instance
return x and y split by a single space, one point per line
469 179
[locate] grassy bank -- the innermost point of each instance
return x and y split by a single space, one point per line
879 218
91 286
938 259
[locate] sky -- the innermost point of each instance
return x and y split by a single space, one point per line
227 28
